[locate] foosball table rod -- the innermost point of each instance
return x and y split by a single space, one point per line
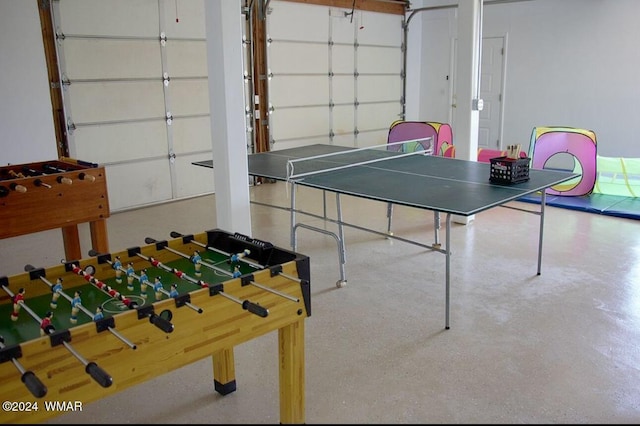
214 289
163 245
240 258
61 337
29 268
179 301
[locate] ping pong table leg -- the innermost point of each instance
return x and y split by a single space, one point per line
436 228
293 216
447 272
543 201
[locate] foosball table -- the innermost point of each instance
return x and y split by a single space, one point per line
88 328
61 193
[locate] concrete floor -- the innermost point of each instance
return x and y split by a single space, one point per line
561 347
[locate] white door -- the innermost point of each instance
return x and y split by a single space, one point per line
491 84
490 125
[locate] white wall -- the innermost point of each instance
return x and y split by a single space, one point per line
568 63
26 117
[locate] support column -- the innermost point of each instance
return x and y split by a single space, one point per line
468 83
223 20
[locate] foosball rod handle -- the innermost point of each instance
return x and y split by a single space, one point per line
33 383
30 380
254 308
161 323
99 375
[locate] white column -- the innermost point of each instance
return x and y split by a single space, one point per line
223 21
468 76
468 83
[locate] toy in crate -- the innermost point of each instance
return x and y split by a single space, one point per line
510 168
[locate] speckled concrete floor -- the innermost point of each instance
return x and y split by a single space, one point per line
561 347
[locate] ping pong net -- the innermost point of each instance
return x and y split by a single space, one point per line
298 168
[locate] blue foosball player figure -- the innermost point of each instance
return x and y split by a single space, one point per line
117 265
157 287
196 259
130 276
56 289
75 306
99 314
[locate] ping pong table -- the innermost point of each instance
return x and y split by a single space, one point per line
443 185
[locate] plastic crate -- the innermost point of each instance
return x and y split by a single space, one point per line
509 170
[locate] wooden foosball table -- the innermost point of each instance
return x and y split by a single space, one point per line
88 328
54 194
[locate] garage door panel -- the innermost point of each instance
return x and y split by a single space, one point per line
116 101
291 123
372 59
189 97
193 180
192 134
121 142
298 58
183 19
377 116
111 59
186 58
343 59
110 18
343 120
138 184
379 88
380 29
299 89
289 20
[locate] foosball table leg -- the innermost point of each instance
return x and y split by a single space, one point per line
71 240
99 235
292 373
224 372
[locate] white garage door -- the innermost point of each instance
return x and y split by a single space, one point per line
136 94
334 76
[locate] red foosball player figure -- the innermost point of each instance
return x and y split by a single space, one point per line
17 298
45 324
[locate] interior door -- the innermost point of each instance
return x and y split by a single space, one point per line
490 119
491 86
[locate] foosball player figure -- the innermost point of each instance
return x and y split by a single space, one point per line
144 280
235 258
56 289
236 271
157 287
195 259
99 314
130 276
174 291
17 298
45 324
117 265
75 306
